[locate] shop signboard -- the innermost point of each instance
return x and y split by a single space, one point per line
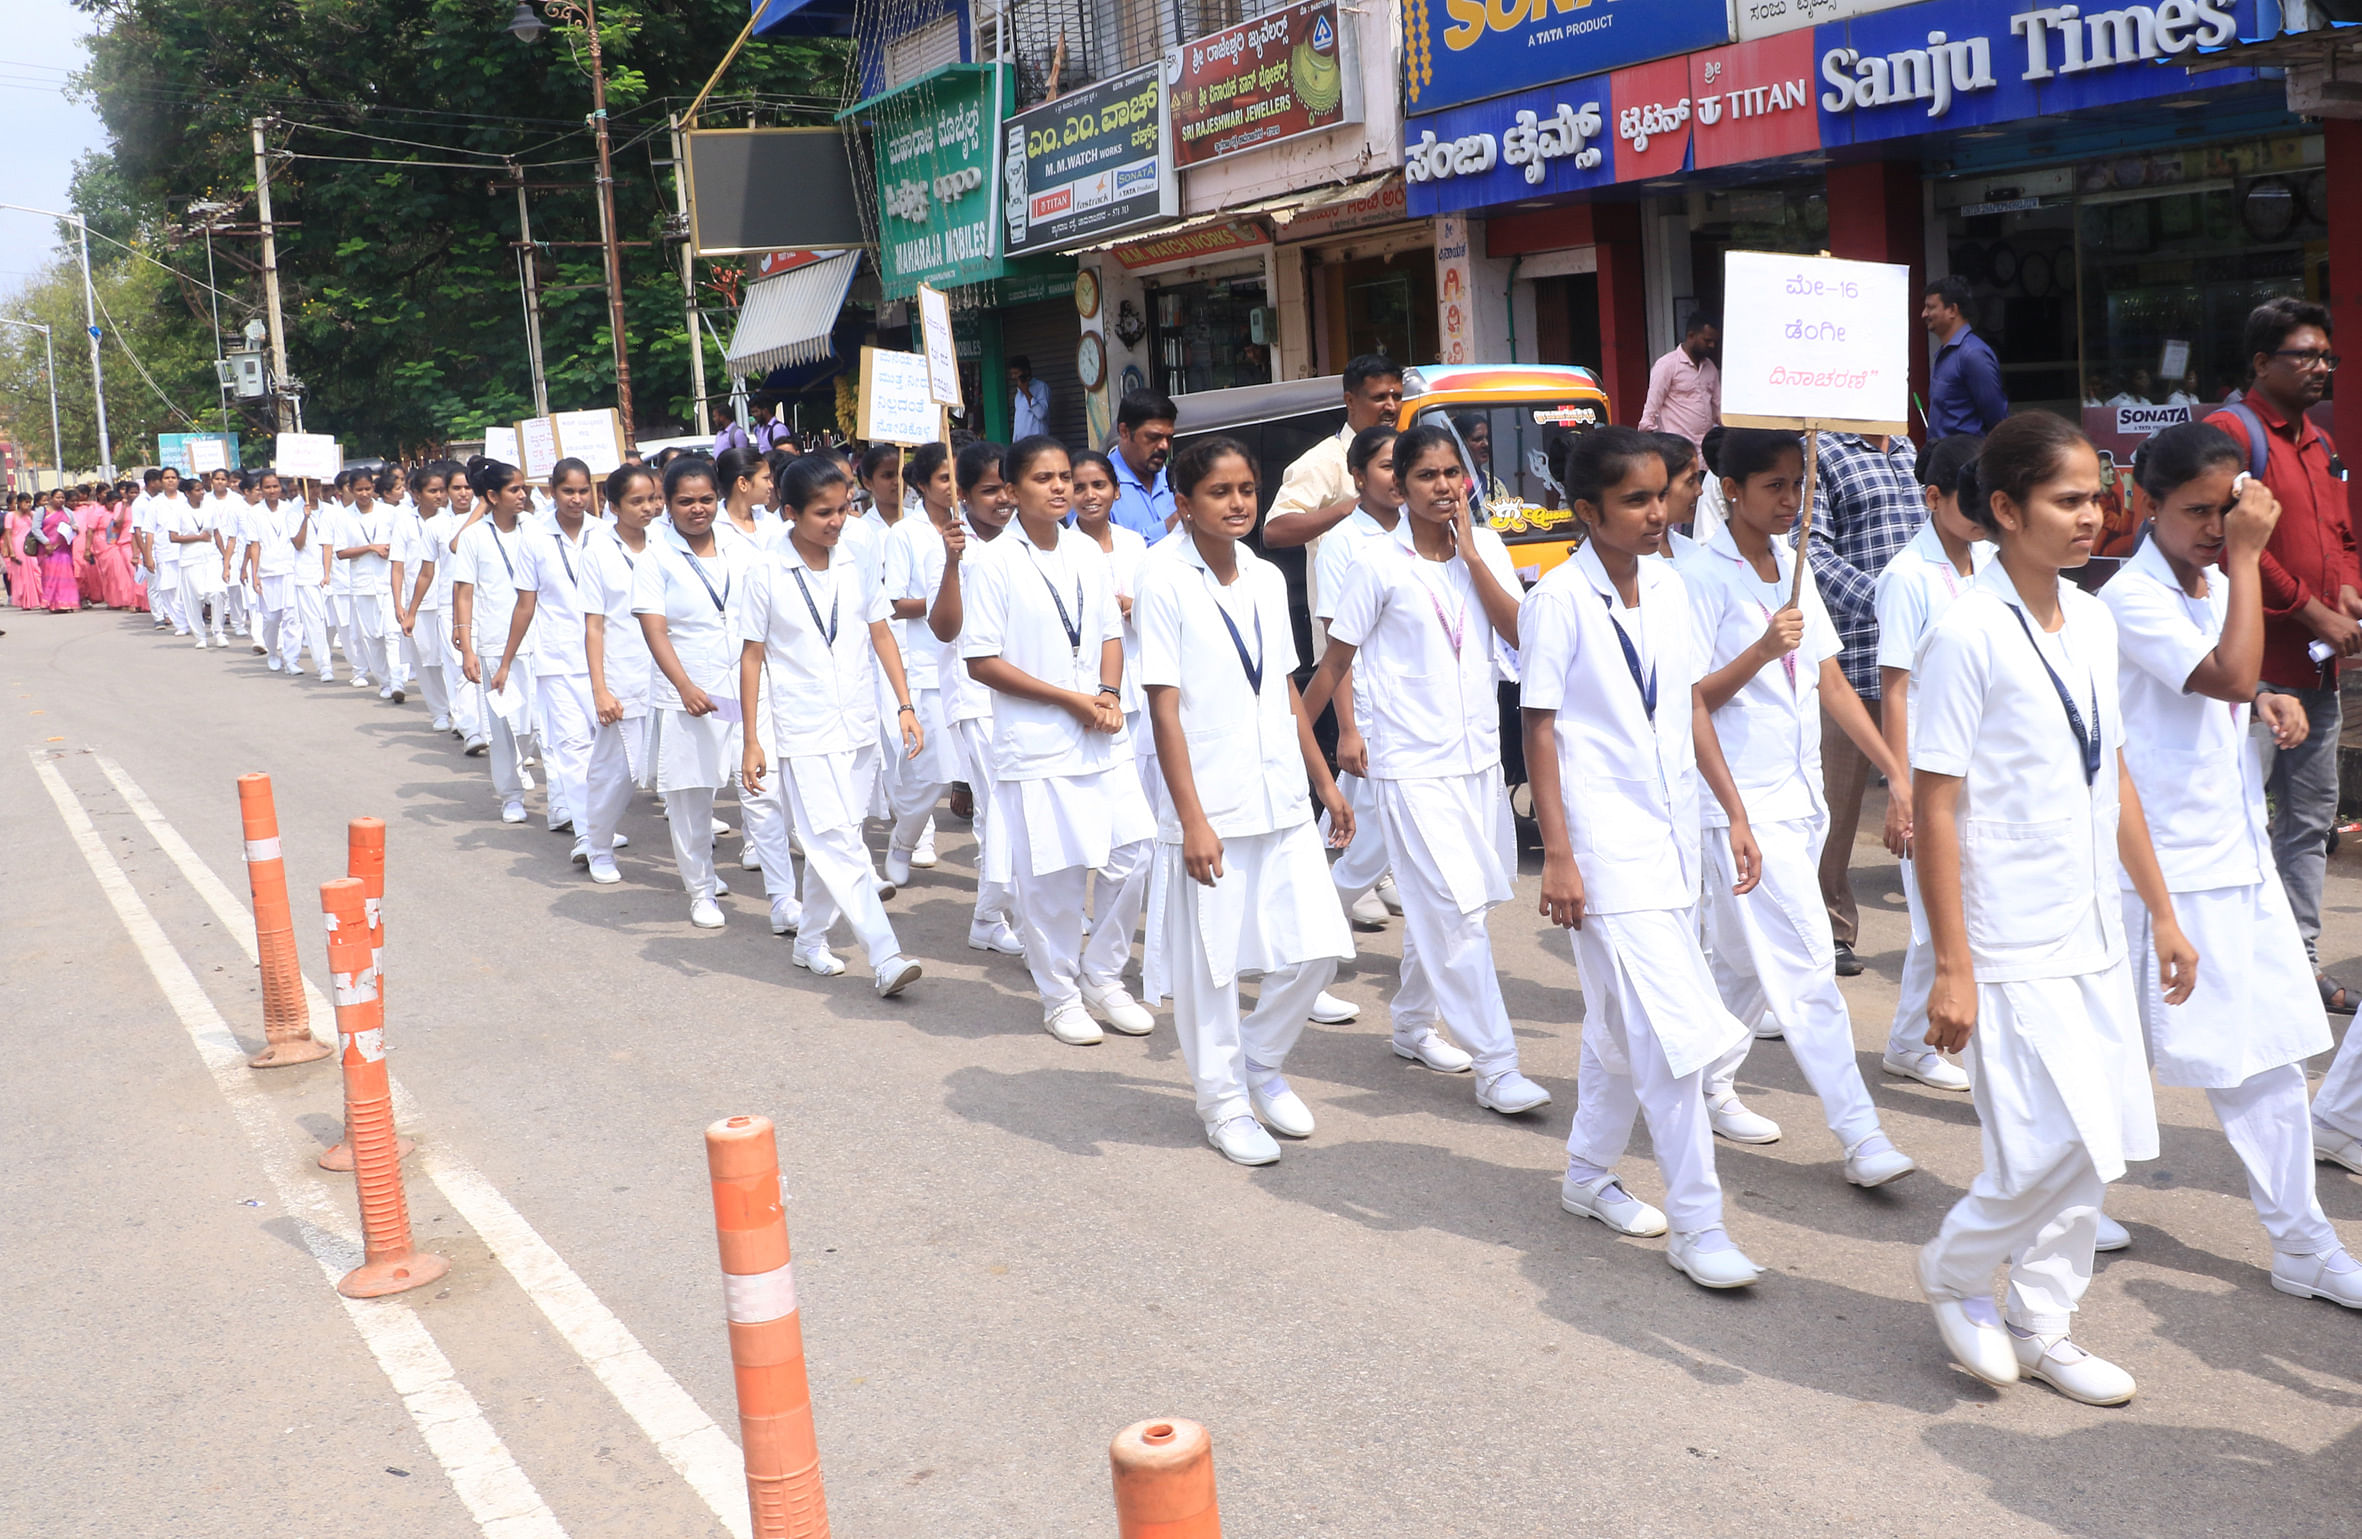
1457 51
1751 19
1386 203
1229 237
1285 74
1089 165
937 144
1532 145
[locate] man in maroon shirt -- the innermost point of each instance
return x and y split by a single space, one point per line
2312 592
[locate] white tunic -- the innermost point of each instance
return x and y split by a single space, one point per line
607 590
819 664
1046 612
487 561
1424 698
551 566
1771 728
914 548
1915 589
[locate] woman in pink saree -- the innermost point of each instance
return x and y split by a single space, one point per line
91 520
118 554
24 562
58 588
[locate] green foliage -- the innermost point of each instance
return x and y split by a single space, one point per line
399 277
147 307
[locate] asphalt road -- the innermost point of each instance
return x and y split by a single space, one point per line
1006 1249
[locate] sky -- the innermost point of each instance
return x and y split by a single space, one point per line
43 131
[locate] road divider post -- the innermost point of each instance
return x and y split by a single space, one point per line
286 1023
1164 1481
365 863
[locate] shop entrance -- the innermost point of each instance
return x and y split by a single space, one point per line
1212 336
1383 304
1566 320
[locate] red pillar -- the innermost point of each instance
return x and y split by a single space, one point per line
1623 308
2344 151
1875 215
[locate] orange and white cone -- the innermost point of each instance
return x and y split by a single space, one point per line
365 863
1164 1481
393 1264
766 1334
286 1023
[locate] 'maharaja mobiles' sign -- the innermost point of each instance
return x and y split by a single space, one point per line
1282 75
1088 165
937 147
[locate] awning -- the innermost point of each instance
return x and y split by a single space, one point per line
786 319
822 18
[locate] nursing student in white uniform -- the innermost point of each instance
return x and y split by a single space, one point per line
550 560
495 651
2023 810
1361 873
880 509
461 510
814 634
315 561
1616 742
747 528
621 671
913 563
1043 632
1412 621
2189 621
365 544
333 521
202 559
986 506
682 590
1914 590
1770 674
151 571
224 514
271 564
245 603
1241 885
419 583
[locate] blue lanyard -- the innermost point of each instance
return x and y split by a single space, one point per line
1071 624
1646 685
828 632
721 599
2086 739
1253 666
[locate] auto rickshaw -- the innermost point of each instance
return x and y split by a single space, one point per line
1515 423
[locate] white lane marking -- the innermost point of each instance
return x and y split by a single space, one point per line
698 1450
486 1478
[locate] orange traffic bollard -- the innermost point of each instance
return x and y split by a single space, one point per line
766 1334
1164 1481
365 863
286 1024
392 1263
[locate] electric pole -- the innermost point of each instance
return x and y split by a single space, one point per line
705 423
282 390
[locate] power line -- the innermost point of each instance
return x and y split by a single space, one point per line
135 363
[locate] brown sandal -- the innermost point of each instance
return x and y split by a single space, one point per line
2336 998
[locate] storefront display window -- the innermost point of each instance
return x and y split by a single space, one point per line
1793 217
1383 304
1212 336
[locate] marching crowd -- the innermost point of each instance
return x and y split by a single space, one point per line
2076 782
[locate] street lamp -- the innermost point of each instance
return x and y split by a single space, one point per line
57 442
98 383
526 26
211 213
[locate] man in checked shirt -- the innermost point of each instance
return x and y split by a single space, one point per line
1866 506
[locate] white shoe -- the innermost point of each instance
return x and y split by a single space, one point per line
1242 1141
512 812
2331 1147
360 681
477 746
924 856
2332 1275
1741 1126
1929 1067
818 961
2112 1236
440 723
720 889
787 916
721 829
1875 1161
1072 1025
603 871
1724 1268
387 693
895 974
887 889
1429 1048
748 859
274 663
706 914
1509 1093
524 777
1329 1010
1604 1198
580 855
1767 1029
1282 1110
897 868
1119 1010
2070 1370
621 843
995 935
326 677
1367 912
200 643
1388 895
1975 1339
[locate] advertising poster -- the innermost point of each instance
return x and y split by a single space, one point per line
1284 74
1089 165
1458 51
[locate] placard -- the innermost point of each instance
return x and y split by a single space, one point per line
896 407
942 351
593 437
500 443
1815 342
537 441
1284 74
312 456
1090 164
207 455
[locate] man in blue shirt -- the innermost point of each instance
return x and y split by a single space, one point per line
1143 442
1964 393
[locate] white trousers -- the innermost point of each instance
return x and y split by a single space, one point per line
1223 1049
839 877
504 756
311 614
340 621
568 724
2338 1104
994 899
277 632
911 789
234 604
690 816
1447 956
1773 954
607 781
429 644
194 603
1908 1034
164 594
1050 916
769 829
2266 1123
2045 1232
1365 860
1624 1071
368 641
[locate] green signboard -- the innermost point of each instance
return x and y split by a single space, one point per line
937 146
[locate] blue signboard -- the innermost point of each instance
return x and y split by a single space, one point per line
1533 145
1458 51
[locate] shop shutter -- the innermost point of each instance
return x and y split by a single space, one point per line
1048 333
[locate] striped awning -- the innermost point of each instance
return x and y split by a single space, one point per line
787 319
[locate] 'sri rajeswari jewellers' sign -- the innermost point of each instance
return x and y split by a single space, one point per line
1280 76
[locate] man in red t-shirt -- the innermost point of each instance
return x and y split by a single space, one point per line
2312 586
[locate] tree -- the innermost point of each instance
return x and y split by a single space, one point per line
396 255
148 327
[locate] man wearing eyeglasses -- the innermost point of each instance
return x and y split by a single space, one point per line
2312 586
